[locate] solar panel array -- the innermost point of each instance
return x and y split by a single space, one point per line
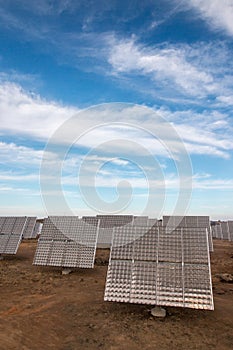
223 230
190 221
11 230
66 241
153 265
29 227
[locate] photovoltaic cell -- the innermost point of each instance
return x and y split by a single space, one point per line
154 265
67 242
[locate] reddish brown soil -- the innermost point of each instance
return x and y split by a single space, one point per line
42 309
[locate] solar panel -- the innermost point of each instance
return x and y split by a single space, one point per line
107 223
225 230
11 230
152 222
154 265
218 229
29 227
230 227
140 220
67 242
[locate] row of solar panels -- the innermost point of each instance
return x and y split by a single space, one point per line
13 229
148 264
223 230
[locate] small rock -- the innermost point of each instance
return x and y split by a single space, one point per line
226 277
158 312
220 292
66 271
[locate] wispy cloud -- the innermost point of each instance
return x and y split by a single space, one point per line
29 114
217 14
161 64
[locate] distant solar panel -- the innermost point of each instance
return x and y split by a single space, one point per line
230 227
218 229
29 227
152 222
107 223
67 242
11 230
225 230
153 265
140 220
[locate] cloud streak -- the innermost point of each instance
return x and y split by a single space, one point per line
217 14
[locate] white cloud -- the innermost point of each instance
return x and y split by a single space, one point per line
11 153
28 114
165 65
137 127
217 13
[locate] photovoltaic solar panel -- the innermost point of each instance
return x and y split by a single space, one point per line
225 230
29 227
218 229
67 242
154 265
230 227
11 230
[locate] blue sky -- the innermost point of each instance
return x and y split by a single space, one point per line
167 60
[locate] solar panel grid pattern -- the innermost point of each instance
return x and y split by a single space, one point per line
190 221
11 229
68 242
157 266
29 227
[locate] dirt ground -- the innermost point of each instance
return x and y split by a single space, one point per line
42 309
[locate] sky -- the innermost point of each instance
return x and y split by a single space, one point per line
118 107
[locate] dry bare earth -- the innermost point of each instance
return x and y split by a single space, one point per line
41 309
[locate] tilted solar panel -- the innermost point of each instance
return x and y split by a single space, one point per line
154 265
67 242
29 227
225 230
